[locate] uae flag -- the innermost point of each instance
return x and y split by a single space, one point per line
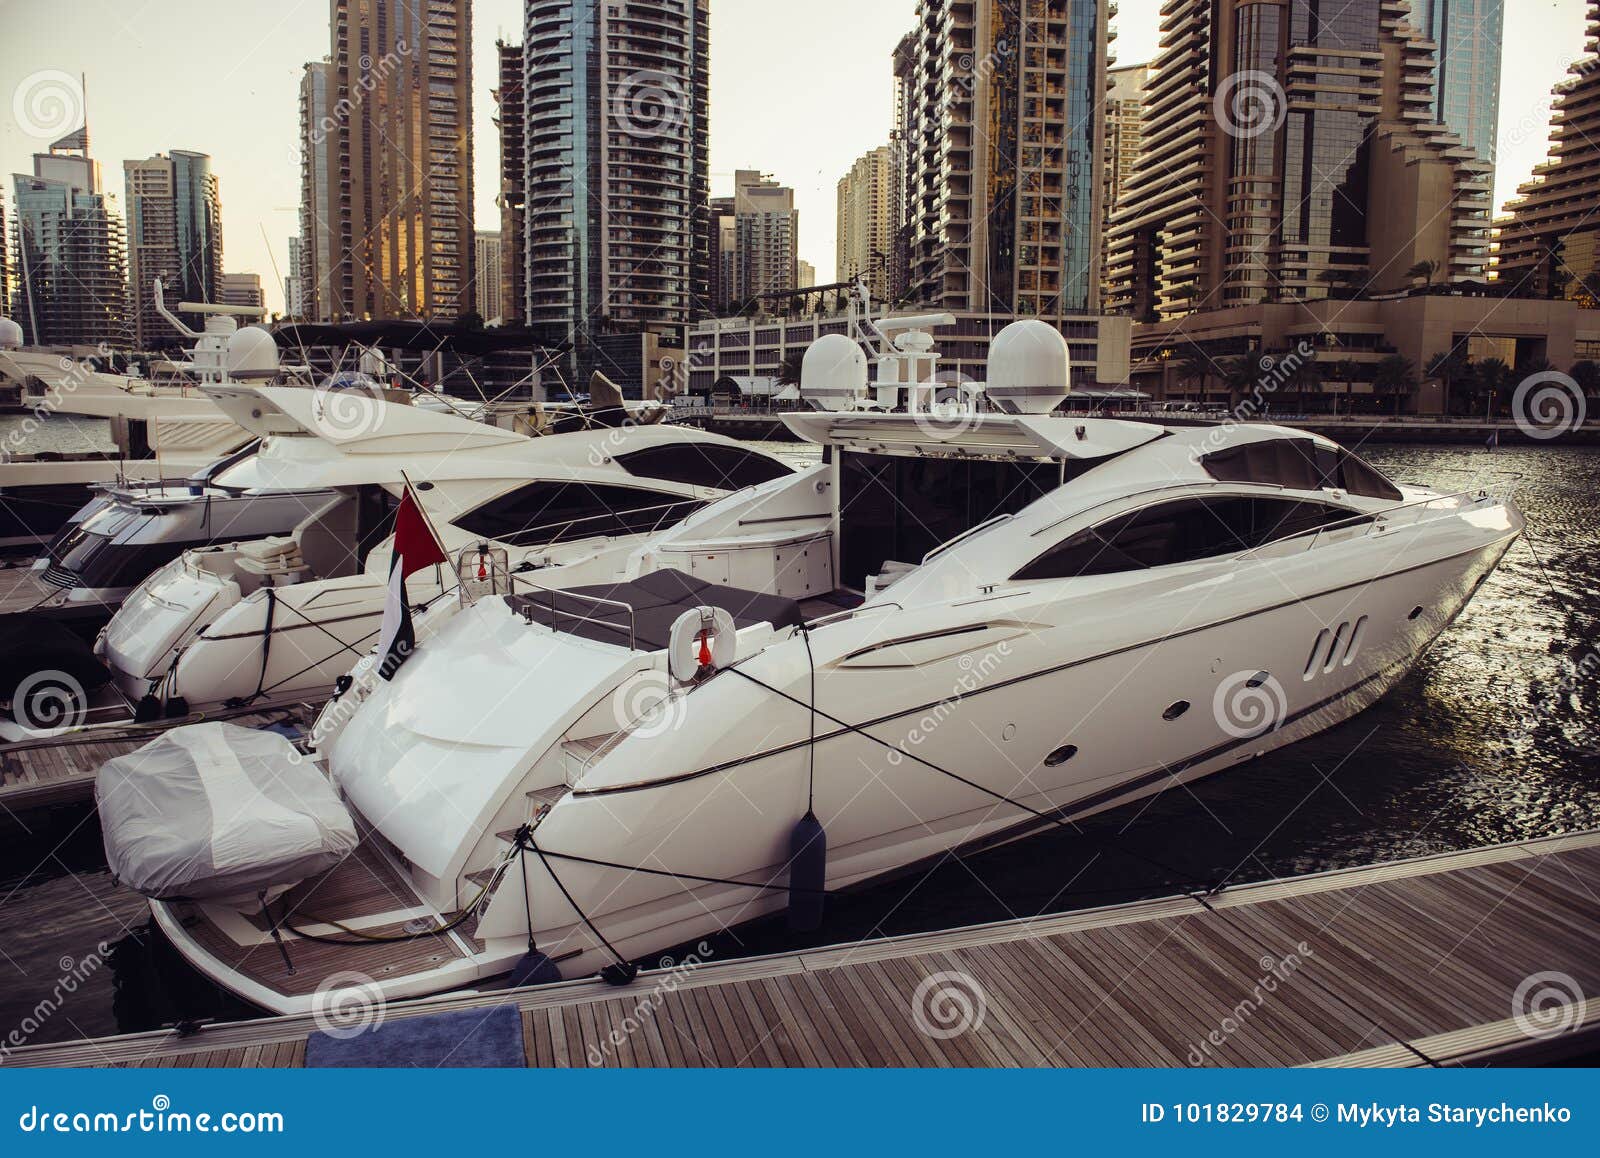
415 547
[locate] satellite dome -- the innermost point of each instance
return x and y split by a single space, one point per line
833 373
10 335
252 353
1029 367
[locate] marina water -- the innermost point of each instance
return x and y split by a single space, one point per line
1494 737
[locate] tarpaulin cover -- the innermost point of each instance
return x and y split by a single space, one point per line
218 811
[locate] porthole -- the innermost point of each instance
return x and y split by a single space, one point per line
1415 612
1260 679
1175 711
1061 755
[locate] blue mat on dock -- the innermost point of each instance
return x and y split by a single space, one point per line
466 1039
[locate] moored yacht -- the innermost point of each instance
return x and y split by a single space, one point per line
163 426
257 622
962 625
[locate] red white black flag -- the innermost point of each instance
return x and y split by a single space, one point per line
415 547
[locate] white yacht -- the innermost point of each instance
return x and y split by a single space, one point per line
961 626
278 619
163 427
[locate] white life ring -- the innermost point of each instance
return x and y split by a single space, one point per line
706 633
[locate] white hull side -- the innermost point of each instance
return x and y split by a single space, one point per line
883 810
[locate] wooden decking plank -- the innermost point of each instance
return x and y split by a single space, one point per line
1417 952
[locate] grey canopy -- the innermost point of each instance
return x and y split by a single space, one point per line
217 811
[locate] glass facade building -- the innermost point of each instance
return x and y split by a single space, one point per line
175 234
1289 152
70 282
616 147
1001 135
1467 80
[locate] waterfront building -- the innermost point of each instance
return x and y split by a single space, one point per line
70 286
1287 152
174 212
1550 243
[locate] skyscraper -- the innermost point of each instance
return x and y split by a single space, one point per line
1287 150
324 202
618 196
767 236
490 253
387 134
175 234
1124 134
1466 91
1550 247
867 221
5 258
242 289
1003 136
71 276
509 104
724 257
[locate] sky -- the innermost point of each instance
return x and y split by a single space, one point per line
800 89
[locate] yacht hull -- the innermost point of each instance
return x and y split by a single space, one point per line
979 756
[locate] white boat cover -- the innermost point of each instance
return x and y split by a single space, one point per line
218 811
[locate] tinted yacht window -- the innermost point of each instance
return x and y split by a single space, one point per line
1181 531
723 467
1299 464
542 511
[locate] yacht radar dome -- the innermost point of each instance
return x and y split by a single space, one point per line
252 353
833 373
10 335
1029 367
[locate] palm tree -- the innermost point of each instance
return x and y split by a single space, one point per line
1304 379
1239 375
1195 369
1351 278
1449 368
1395 376
1587 375
1426 270
789 372
1490 377
1345 371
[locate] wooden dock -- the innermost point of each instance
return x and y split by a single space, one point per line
1441 960
61 769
